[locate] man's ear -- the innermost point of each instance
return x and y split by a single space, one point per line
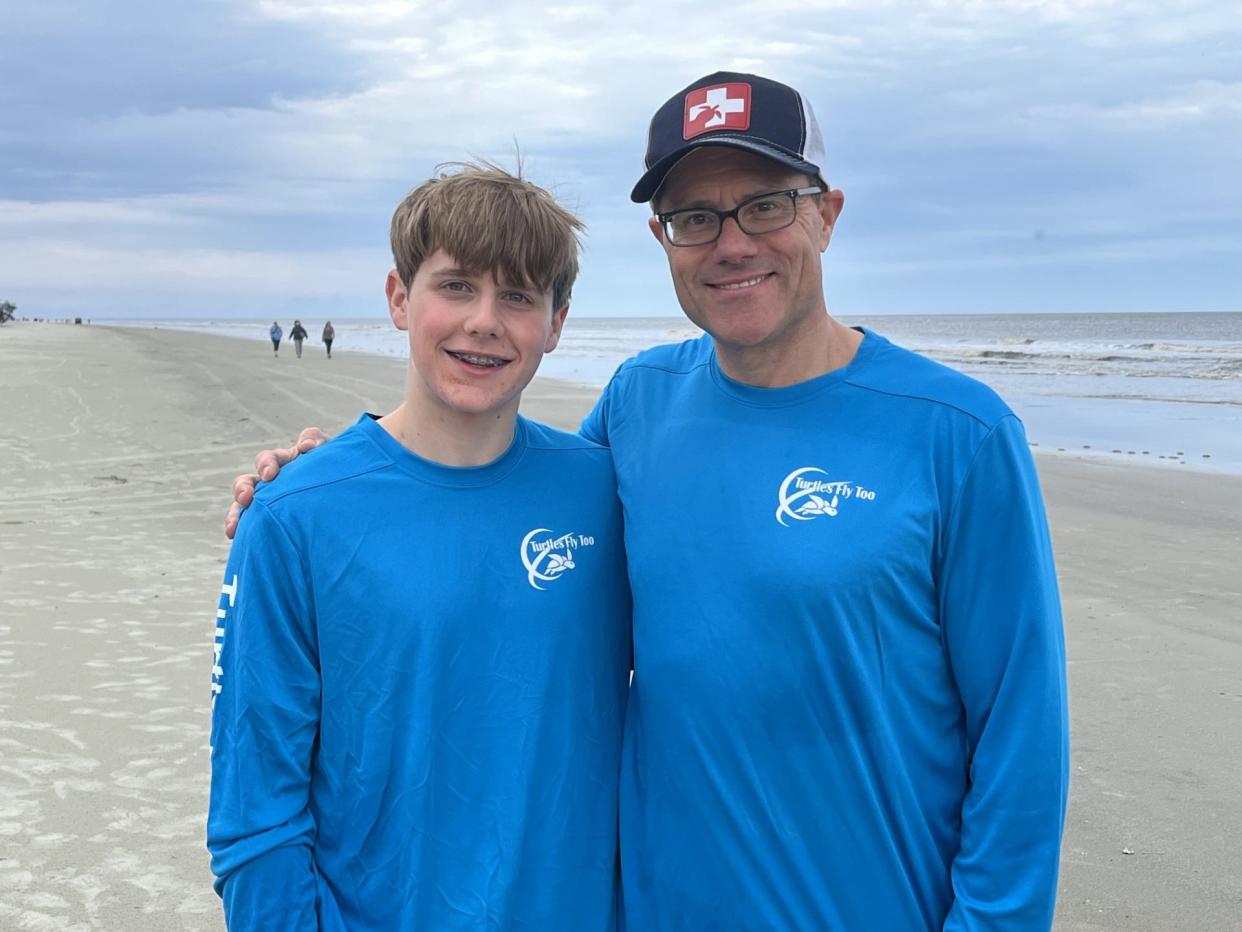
395 289
830 205
657 229
554 336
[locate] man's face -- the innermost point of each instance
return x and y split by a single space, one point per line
475 342
747 291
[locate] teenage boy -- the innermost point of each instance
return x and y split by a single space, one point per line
423 635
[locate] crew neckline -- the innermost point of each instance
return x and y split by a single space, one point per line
462 477
799 391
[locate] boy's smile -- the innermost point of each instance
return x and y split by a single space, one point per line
479 360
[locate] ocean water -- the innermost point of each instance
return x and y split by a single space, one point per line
1160 388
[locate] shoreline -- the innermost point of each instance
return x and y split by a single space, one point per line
556 391
120 444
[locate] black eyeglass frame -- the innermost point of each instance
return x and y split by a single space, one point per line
722 215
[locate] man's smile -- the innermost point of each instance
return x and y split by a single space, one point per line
741 284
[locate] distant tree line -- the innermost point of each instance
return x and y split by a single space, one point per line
7 310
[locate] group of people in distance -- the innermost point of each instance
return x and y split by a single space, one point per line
298 334
773 642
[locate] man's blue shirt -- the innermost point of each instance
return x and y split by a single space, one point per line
848 709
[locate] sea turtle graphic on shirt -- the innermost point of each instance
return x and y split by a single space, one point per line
549 559
558 564
817 506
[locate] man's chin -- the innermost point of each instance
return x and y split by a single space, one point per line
742 331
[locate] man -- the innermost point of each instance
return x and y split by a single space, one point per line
417 709
848 709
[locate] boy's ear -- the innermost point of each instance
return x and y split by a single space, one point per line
395 289
554 335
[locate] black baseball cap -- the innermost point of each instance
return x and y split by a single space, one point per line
743 111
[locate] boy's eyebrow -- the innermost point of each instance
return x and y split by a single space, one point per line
501 280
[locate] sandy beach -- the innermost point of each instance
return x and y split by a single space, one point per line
118 446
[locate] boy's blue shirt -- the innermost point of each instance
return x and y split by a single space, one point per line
848 708
419 691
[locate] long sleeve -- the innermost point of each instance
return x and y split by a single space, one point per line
1001 618
265 720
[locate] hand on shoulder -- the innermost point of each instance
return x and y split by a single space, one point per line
267 466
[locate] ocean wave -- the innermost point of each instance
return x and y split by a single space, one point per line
1100 360
1221 349
1165 399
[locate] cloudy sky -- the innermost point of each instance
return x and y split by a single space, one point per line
242 157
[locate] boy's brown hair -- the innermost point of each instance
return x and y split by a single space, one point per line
488 219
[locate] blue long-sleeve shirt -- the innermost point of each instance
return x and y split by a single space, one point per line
419 692
848 709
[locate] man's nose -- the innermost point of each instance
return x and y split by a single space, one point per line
734 242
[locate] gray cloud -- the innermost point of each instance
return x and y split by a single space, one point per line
274 135
137 97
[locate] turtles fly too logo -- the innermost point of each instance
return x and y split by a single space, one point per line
808 493
548 558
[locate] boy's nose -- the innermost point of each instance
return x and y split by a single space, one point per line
484 318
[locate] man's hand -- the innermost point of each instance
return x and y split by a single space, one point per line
266 467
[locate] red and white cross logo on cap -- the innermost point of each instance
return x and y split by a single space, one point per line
725 106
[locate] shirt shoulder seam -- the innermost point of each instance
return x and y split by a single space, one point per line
277 496
990 426
658 368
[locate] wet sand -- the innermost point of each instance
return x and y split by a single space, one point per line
117 449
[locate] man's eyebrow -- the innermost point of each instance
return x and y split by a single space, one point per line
759 191
453 273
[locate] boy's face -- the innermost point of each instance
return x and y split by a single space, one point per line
475 342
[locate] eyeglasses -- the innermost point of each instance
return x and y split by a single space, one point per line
763 213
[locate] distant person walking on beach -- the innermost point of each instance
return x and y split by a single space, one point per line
329 334
297 335
275 333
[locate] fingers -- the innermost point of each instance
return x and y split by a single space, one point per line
243 495
310 438
230 520
243 489
267 464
